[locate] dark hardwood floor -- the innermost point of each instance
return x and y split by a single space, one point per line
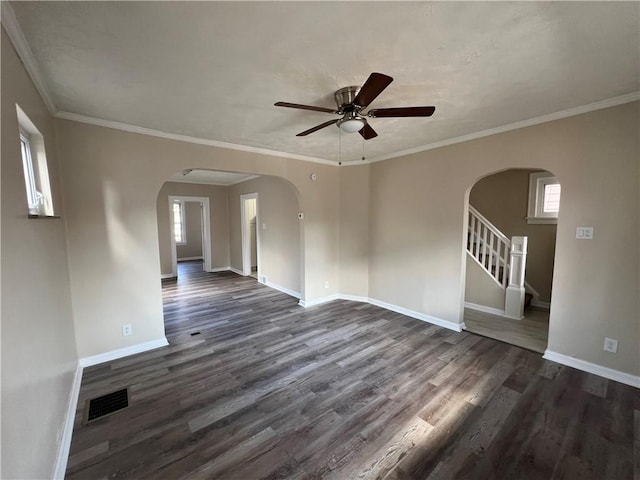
270 390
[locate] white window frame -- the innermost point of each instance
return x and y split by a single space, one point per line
183 226
29 174
35 169
535 211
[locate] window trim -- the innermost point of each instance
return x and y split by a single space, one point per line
35 168
29 174
535 213
183 226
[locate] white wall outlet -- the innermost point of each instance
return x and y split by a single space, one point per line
126 330
610 345
262 279
326 284
584 233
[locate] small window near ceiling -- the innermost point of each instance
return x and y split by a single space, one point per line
34 167
179 231
544 198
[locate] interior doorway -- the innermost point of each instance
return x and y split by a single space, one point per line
250 231
510 237
180 212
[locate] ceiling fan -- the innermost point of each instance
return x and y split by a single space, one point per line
352 101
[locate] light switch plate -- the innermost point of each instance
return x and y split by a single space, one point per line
610 345
584 233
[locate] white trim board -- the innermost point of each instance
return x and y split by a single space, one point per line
235 270
184 138
67 429
164 276
590 107
485 309
219 269
184 259
610 373
457 327
123 352
21 45
318 301
280 288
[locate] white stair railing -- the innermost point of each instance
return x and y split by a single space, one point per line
489 247
501 258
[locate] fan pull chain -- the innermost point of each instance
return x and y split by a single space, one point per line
340 147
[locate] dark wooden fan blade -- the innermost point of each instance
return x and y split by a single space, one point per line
367 132
316 128
304 107
373 87
402 112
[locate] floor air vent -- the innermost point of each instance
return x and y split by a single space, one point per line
107 404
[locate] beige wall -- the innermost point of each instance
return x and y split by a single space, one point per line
218 221
480 288
280 242
193 232
353 229
112 180
38 345
503 198
418 218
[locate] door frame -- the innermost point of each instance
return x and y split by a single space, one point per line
205 222
246 242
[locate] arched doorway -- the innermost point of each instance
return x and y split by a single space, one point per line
509 256
220 194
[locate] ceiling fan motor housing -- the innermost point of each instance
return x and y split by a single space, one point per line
344 99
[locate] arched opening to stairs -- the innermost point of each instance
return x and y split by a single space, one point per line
510 250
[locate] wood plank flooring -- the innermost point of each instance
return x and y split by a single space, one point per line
531 332
270 390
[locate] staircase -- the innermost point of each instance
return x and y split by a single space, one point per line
502 259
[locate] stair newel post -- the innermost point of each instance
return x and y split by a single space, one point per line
514 296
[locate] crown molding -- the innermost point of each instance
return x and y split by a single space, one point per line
185 138
590 107
12 27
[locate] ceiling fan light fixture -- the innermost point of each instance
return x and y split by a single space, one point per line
352 124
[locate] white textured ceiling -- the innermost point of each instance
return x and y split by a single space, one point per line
213 70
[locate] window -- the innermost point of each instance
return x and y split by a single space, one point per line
544 198
34 166
179 230
33 196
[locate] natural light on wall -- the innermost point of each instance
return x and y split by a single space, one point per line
34 165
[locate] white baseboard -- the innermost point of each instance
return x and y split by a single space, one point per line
235 270
219 269
353 298
610 373
540 304
281 288
420 316
319 301
186 259
484 308
67 428
394 308
123 352
164 276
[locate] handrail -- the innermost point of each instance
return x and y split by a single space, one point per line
490 225
489 247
